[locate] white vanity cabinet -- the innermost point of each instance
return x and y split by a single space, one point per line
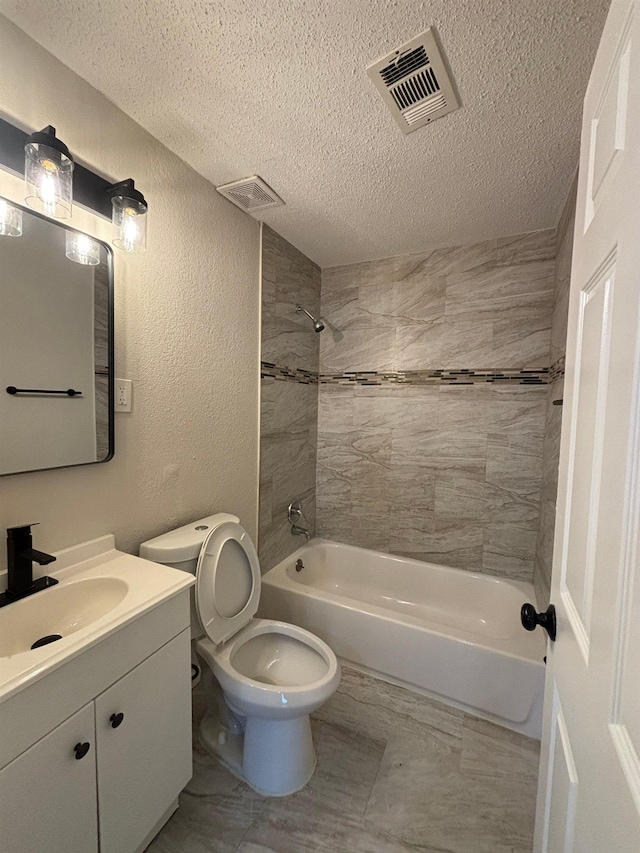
144 756
137 724
48 796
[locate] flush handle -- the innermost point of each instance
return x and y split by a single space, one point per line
81 749
547 620
115 720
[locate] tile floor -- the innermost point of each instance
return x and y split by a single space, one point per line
396 773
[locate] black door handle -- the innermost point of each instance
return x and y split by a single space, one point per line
81 749
547 620
115 720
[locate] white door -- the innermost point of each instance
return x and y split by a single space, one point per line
143 742
48 794
589 791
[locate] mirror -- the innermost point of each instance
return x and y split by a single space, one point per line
56 345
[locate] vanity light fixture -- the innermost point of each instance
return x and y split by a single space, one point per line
10 220
129 217
54 182
82 249
48 174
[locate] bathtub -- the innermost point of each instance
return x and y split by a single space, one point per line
448 633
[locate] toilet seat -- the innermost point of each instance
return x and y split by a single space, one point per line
227 589
264 696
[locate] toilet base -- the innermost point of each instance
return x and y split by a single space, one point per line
274 757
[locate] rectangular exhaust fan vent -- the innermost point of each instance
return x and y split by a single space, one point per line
251 194
415 82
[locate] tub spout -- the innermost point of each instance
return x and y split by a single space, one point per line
296 530
294 514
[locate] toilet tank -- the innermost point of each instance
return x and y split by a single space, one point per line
180 548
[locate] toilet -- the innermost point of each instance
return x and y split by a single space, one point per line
272 675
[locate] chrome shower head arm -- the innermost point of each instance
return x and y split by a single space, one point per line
318 325
300 309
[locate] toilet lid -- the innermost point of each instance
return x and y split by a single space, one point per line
227 581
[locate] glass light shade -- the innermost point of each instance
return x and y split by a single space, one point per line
48 178
10 220
129 219
82 249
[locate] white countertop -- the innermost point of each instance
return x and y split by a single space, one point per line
147 585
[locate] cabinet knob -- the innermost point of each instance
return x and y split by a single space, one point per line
81 749
115 720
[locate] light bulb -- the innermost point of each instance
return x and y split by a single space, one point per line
129 232
129 221
10 220
48 174
48 186
82 249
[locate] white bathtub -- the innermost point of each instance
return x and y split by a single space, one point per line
452 634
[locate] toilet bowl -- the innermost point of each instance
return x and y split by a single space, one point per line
272 675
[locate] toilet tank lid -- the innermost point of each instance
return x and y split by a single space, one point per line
183 543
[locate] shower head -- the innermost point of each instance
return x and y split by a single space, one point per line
318 325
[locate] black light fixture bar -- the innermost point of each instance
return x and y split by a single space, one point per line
89 190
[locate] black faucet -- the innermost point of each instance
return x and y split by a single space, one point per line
20 558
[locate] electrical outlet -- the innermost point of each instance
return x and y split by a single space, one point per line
123 390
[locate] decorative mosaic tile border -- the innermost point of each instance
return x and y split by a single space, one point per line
556 371
438 377
540 376
287 374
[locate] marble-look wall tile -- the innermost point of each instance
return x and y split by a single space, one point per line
524 248
289 410
288 279
508 550
358 349
553 419
449 473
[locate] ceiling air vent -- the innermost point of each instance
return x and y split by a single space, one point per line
415 82
250 194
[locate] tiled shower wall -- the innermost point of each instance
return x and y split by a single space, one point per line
438 466
553 420
290 350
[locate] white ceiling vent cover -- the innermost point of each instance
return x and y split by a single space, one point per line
250 194
415 82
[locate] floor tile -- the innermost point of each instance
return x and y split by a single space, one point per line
397 772
479 798
378 709
214 824
348 763
308 824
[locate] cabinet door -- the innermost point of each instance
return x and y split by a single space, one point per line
48 794
143 733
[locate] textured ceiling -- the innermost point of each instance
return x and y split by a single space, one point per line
279 88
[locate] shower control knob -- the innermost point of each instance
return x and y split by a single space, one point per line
547 620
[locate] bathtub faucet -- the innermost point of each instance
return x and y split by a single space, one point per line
300 531
294 514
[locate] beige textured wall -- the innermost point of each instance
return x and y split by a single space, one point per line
187 330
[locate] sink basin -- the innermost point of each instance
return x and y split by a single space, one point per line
100 590
60 610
